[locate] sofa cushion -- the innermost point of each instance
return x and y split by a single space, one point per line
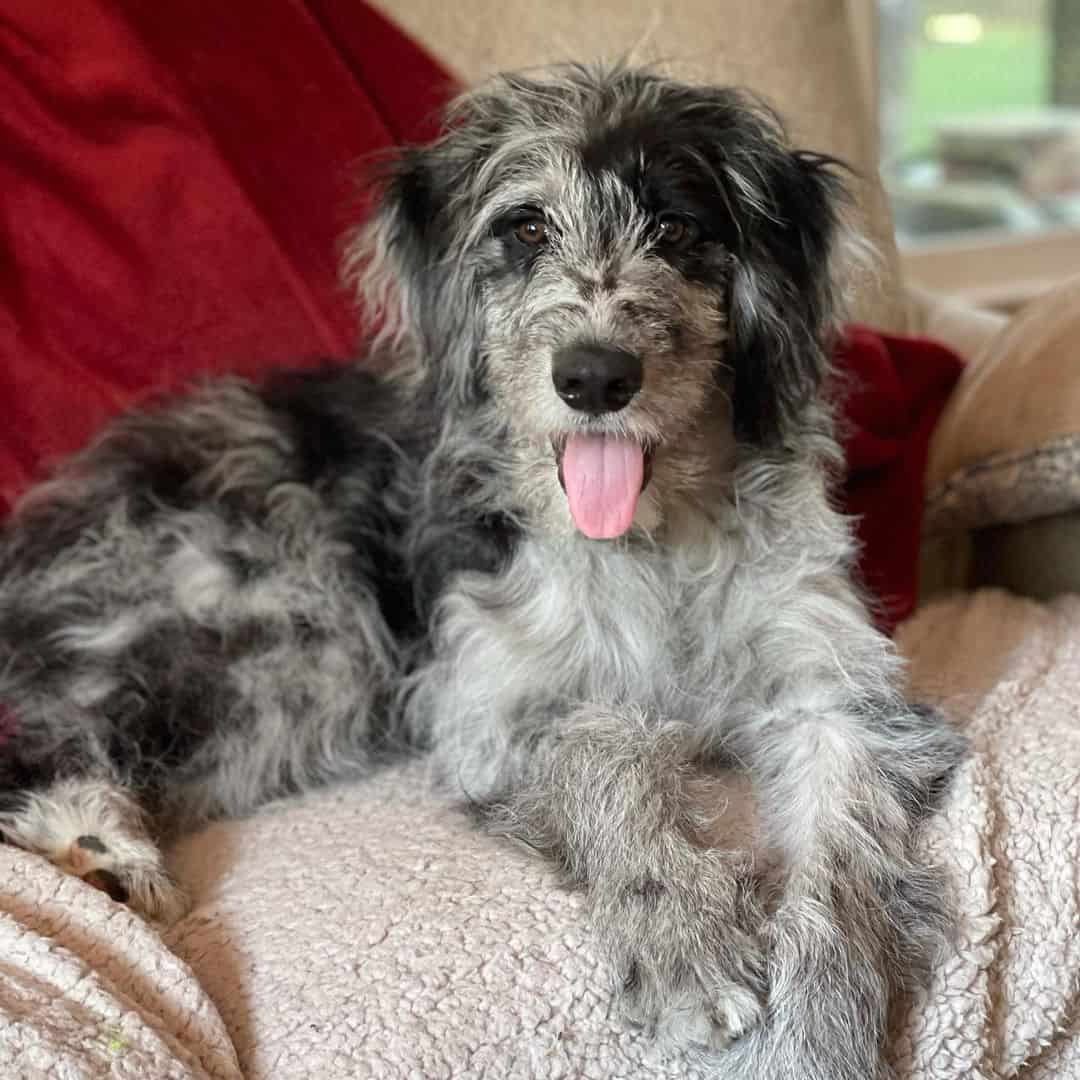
1007 449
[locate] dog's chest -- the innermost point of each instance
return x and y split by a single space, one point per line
595 622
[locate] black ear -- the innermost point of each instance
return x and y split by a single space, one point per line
418 291
399 258
783 297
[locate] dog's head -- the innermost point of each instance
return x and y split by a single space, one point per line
611 257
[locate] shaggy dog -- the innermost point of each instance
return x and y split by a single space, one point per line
577 543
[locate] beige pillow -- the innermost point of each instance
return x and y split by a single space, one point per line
1007 448
799 54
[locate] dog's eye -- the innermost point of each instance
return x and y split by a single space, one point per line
675 232
532 231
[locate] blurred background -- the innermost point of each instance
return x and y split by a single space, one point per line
979 108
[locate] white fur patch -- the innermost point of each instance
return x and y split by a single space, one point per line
106 637
200 582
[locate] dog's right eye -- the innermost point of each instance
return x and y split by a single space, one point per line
532 231
676 232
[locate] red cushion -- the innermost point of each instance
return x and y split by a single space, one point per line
897 388
175 179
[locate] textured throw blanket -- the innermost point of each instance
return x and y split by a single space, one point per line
367 932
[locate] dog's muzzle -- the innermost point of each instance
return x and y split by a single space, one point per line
602 474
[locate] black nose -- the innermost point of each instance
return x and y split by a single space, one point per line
596 378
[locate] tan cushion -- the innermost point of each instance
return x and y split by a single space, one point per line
951 320
797 53
1007 448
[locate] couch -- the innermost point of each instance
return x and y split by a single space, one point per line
367 931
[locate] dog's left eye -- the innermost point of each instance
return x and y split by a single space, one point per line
676 232
532 231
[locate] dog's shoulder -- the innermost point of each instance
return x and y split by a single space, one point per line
347 421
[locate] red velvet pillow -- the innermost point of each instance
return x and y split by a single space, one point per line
897 388
174 181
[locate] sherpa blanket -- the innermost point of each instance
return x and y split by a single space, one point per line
367 932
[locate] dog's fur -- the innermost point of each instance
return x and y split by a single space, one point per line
260 588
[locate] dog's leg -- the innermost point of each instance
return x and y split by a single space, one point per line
91 828
610 797
841 790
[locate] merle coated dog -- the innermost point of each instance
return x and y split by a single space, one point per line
577 543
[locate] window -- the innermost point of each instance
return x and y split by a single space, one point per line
979 110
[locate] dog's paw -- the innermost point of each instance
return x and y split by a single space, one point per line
95 832
702 1007
695 970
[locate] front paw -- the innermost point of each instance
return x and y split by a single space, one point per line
706 1004
694 969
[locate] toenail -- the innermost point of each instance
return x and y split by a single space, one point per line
107 882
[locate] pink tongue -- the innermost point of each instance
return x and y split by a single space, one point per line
602 475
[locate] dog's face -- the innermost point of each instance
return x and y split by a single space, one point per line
629 267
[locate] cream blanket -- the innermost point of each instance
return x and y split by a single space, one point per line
369 933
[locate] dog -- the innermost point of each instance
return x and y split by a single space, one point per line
575 542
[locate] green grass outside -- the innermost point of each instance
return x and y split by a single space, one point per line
1008 66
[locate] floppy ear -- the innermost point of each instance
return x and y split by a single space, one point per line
397 260
416 295
783 298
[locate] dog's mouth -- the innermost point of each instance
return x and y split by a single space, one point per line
603 476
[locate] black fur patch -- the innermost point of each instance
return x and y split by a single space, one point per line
414 206
174 692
